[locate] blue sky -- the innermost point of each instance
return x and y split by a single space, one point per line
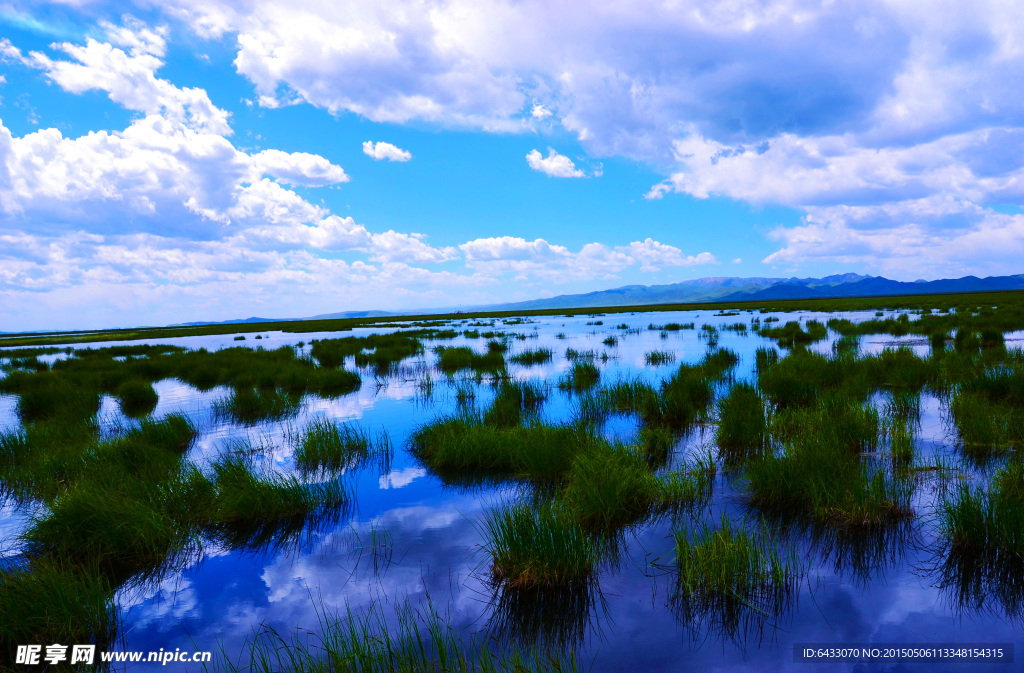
185 160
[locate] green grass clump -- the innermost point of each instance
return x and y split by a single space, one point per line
716 364
334 382
731 564
464 447
684 399
901 443
903 406
513 399
838 419
122 524
657 444
899 369
629 396
373 643
611 487
802 378
40 460
989 524
658 358
325 445
983 534
765 358
47 395
742 421
792 334
46 602
253 405
572 355
533 357
582 376
257 511
982 425
817 479
452 359
539 547
381 351
137 397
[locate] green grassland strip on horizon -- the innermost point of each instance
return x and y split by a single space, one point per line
929 301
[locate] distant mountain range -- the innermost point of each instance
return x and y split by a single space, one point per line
761 289
723 289
322 316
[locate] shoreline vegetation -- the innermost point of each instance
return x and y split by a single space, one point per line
929 302
818 447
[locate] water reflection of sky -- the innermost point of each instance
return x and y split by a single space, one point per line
411 538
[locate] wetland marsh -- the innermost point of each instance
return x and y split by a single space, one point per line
550 492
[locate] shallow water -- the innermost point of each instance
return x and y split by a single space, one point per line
410 538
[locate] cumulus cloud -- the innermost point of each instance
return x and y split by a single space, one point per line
298 168
540 112
909 239
168 213
387 151
129 77
800 103
501 255
653 255
170 203
556 165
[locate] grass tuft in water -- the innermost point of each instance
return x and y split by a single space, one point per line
258 511
249 406
582 376
326 445
988 523
731 563
533 357
742 421
539 547
461 448
658 358
613 486
47 602
410 642
515 398
452 359
137 398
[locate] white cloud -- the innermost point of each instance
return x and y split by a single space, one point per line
653 255
908 240
799 102
168 213
387 151
539 259
401 478
556 165
127 77
298 168
540 112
